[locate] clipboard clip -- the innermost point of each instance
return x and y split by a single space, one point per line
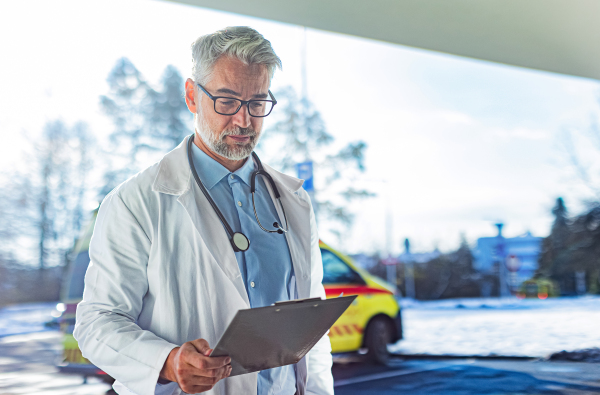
294 301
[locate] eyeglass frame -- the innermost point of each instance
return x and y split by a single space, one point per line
246 102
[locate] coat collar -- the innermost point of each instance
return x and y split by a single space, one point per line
174 175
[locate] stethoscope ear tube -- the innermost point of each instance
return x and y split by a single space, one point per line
261 171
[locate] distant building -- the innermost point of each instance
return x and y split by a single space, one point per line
418 257
517 255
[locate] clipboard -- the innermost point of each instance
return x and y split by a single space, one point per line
281 334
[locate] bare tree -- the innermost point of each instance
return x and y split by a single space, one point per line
298 135
46 197
583 155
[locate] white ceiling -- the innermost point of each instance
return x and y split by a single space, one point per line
561 36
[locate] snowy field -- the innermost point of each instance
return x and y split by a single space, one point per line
25 318
508 326
479 326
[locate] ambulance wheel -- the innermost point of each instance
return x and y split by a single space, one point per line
379 335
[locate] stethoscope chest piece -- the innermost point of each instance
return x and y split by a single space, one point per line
240 241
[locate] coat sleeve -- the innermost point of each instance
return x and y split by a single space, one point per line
115 285
320 379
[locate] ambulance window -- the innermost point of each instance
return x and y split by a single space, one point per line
335 271
76 280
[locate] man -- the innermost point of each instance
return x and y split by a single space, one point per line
164 280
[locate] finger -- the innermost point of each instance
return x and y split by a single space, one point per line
205 363
218 373
201 345
208 352
194 381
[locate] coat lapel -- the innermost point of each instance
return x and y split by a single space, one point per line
213 234
174 178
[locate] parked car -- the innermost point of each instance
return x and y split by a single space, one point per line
369 325
540 288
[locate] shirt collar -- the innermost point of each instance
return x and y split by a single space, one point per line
245 172
211 172
174 176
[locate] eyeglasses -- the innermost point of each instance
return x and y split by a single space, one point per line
229 106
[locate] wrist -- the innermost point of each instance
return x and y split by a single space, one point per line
168 370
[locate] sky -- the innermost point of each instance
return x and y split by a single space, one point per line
454 144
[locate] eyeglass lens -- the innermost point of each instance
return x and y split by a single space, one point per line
257 108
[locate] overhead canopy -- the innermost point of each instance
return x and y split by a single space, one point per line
561 36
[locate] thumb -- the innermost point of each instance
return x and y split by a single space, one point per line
208 352
201 346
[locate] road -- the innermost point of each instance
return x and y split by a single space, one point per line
26 367
468 377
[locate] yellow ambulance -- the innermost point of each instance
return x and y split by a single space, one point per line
373 320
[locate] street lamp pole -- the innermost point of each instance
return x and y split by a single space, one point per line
500 254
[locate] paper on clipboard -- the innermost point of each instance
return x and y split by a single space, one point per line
282 334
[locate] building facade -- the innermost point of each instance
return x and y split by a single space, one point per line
510 260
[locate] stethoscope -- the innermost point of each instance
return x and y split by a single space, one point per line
238 240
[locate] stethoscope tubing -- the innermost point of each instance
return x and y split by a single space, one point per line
204 191
228 229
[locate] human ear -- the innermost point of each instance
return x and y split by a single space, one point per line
190 95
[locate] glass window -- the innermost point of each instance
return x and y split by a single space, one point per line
335 271
76 280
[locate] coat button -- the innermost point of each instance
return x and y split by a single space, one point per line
252 284
239 203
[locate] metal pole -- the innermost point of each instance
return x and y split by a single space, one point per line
391 269
409 278
501 255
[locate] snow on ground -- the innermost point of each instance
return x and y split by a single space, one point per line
25 318
477 326
507 326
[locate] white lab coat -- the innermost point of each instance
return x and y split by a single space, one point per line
162 272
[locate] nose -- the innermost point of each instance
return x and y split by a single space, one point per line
242 117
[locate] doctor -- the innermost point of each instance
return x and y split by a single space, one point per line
165 279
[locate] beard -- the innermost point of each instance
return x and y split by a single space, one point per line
216 141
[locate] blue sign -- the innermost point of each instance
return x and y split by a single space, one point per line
305 172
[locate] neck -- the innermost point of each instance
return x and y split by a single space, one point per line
231 165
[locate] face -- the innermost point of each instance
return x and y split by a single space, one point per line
230 136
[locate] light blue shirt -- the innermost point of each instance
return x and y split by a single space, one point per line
266 266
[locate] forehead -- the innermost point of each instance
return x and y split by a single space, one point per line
233 74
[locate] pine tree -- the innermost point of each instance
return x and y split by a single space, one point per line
554 256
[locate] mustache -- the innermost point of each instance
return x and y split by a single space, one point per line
250 132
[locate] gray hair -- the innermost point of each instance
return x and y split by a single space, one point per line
241 42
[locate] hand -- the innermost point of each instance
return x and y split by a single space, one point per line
191 367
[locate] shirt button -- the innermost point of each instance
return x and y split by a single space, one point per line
231 176
252 284
239 203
